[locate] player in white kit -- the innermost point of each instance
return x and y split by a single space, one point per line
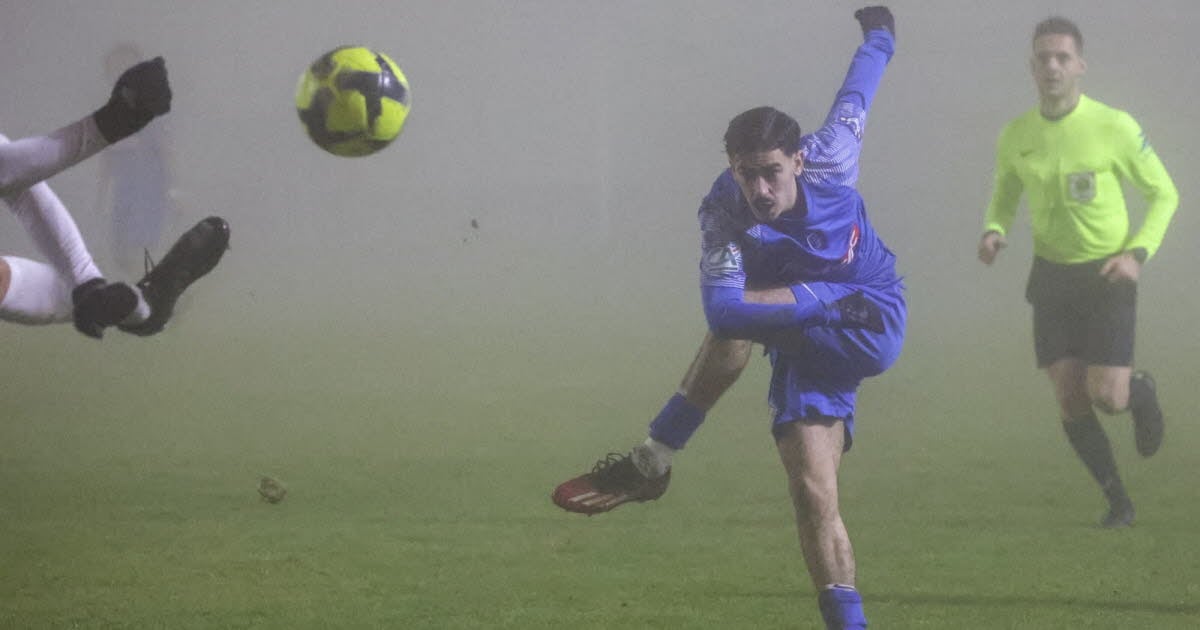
70 287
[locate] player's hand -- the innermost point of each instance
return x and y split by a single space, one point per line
1123 267
141 93
990 245
872 18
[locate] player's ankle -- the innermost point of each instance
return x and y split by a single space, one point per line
140 313
841 607
652 458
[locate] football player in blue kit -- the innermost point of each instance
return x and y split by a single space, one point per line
790 260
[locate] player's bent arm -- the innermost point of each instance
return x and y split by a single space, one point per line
730 316
831 152
1006 194
773 317
1144 168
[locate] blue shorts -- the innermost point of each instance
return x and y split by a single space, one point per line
819 382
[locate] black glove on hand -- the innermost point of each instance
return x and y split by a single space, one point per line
141 93
872 18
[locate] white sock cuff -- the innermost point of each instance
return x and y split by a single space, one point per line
652 458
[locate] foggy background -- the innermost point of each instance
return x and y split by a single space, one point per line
580 136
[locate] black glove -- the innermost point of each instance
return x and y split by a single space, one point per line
99 304
872 18
141 93
856 311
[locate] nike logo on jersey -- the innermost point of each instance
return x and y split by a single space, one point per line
854 234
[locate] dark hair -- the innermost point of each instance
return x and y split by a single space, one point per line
762 129
1059 26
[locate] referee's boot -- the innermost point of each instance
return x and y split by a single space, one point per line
1147 415
1120 514
190 258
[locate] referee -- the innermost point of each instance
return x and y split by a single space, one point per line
1069 157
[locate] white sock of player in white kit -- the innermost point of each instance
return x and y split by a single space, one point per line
28 161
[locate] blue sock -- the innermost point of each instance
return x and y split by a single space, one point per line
842 608
676 423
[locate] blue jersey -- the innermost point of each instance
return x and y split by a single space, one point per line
827 237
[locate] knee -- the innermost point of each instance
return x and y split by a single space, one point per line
1108 399
1073 397
815 500
1073 404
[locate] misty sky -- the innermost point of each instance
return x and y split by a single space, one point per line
580 136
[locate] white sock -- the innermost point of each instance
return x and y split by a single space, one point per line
141 312
36 294
652 458
27 161
44 216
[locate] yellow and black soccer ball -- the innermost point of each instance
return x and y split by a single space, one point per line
353 101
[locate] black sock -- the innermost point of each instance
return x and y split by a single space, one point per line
1091 444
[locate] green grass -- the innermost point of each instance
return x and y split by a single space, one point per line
419 471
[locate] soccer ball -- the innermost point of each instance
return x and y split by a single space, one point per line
353 101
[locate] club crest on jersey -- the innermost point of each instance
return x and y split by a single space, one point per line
719 261
1082 186
816 240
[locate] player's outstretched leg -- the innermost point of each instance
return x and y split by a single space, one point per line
192 256
1147 415
614 480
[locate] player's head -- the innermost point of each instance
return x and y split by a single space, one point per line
763 146
1057 62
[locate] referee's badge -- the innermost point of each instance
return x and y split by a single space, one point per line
1082 186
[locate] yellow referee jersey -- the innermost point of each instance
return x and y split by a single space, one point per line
1071 169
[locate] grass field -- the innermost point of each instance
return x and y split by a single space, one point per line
419 478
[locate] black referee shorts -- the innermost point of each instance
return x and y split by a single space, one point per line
1078 314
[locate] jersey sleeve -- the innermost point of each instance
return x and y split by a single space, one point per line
720 254
1140 165
1006 189
831 152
